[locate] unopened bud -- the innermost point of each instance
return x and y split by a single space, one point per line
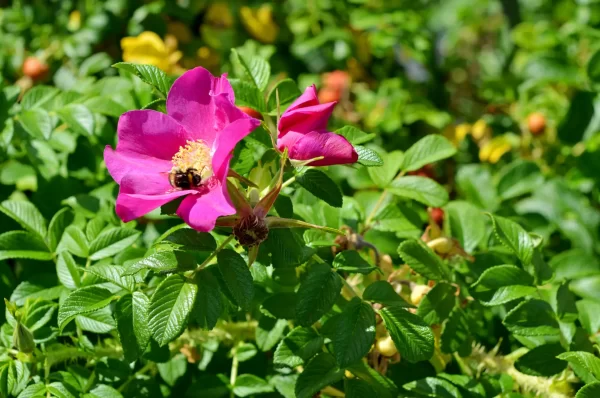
254 196
418 292
23 338
441 245
251 230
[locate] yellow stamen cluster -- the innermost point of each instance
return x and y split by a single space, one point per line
195 155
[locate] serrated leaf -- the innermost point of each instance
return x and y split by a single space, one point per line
428 149
288 92
100 321
591 390
280 305
411 335
105 106
384 387
503 283
519 178
352 262
382 292
382 176
61 220
163 262
82 301
467 224
68 270
131 313
421 189
248 384
37 123
356 388
297 347
113 274
422 259
320 372
209 304
542 361
27 215
354 135
170 307
103 391
236 276
368 157
532 318
111 242
79 118
513 236
247 94
437 304
37 96
456 335
353 332
433 387
583 361
317 294
21 244
269 332
257 69
320 185
75 241
189 239
149 74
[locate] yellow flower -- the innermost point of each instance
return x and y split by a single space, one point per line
149 48
495 149
219 15
74 21
259 23
480 130
457 133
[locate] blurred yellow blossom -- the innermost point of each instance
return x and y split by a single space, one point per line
74 21
149 48
493 150
259 23
219 15
457 133
480 129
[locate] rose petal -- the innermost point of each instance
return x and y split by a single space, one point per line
226 141
120 163
201 211
150 134
305 120
333 147
191 102
140 193
308 98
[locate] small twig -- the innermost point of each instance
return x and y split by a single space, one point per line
213 254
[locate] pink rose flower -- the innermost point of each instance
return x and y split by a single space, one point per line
186 152
303 131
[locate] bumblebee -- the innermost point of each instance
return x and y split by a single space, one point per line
191 178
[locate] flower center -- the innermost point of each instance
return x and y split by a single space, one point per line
192 165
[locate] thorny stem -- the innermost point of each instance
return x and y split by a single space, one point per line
213 254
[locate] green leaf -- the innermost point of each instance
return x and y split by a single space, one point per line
247 94
356 388
257 69
368 157
237 277
433 387
542 361
163 262
400 219
288 92
436 306
354 135
591 390
61 220
575 123
428 149
422 259
476 185
353 332
574 264
317 294
519 178
411 335
209 304
100 321
269 332
421 189
583 361
170 307
383 292
532 318
27 215
32 391
513 236
384 387
111 242
68 270
188 239
94 64
38 96
297 347
467 224
113 274
37 123
131 313
149 74
79 118
280 305
172 370
320 185
105 106
351 261
383 175
103 391
75 241
456 335
503 283
248 384
320 372
21 244
83 301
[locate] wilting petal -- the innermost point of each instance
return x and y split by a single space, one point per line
121 163
334 148
226 141
150 134
201 211
305 120
191 102
140 193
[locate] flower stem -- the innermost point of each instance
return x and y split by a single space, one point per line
378 205
234 371
213 254
288 182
